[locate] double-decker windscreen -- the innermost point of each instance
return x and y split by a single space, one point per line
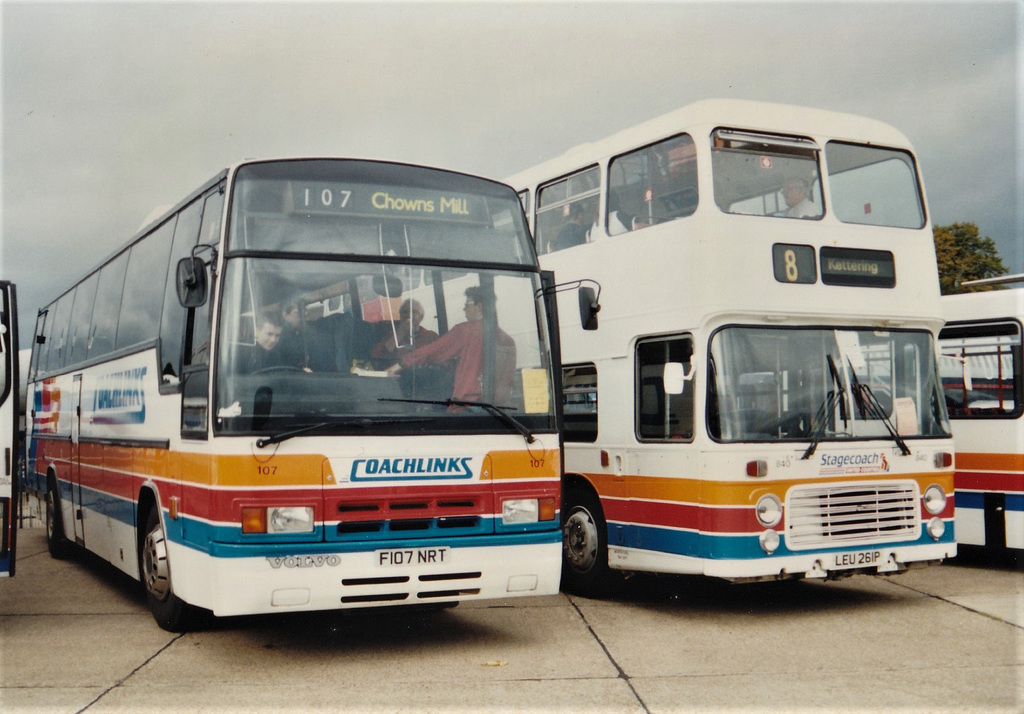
815 385
398 299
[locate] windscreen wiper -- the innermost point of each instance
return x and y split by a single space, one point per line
493 409
363 423
866 398
834 396
285 435
823 412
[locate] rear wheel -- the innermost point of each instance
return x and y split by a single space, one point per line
584 544
56 542
170 612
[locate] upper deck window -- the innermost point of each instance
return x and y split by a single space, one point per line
567 210
766 175
655 184
348 207
874 186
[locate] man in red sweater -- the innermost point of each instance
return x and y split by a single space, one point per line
465 343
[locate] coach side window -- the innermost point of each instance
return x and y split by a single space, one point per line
172 321
144 287
40 345
567 211
663 414
81 319
654 184
108 304
58 333
199 340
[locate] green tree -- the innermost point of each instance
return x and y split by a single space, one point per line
964 255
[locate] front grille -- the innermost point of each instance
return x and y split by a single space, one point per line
851 514
425 517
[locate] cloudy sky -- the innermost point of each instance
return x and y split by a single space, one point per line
110 110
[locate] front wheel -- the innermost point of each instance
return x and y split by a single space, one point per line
584 544
170 612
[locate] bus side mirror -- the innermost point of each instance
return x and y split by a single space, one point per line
191 282
589 308
674 377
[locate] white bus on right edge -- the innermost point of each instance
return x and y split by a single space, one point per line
983 377
758 395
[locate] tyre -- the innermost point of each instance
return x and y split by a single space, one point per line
170 612
56 542
584 544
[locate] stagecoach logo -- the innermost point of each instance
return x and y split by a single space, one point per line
412 467
119 398
841 464
305 561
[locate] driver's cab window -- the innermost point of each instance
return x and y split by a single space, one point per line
664 389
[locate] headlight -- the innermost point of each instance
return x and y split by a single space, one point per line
769 510
936 528
278 519
290 519
769 541
520 510
934 499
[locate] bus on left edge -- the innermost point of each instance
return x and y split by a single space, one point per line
313 384
9 440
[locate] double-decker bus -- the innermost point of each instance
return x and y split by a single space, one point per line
758 395
10 496
212 409
983 375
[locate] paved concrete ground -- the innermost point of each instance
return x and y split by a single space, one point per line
76 636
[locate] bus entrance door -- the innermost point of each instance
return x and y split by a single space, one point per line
76 462
9 383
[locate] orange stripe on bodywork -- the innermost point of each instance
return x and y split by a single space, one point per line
719 493
510 465
989 462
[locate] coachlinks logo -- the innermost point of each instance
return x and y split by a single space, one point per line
412 467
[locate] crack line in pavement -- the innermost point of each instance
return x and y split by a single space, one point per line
989 615
622 674
124 679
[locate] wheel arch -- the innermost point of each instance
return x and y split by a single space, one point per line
149 498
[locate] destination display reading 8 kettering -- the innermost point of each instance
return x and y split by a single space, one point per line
848 267
858 268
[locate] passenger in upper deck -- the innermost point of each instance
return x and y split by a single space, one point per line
574 232
796 191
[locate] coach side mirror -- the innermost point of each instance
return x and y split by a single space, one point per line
191 282
589 308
